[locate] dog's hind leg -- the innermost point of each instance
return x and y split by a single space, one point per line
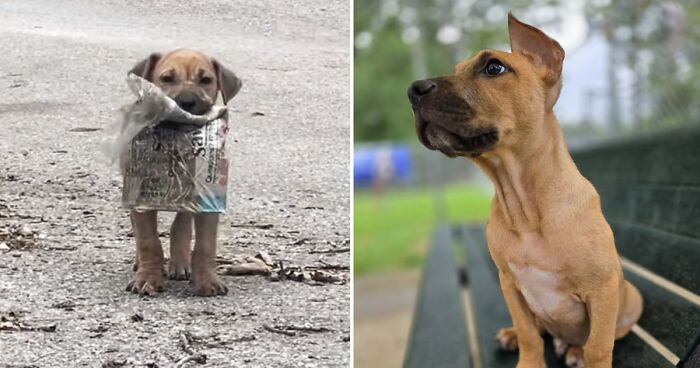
179 267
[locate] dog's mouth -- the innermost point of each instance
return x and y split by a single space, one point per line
471 143
195 107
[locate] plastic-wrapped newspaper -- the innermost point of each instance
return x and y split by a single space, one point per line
170 159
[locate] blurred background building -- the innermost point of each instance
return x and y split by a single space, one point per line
631 67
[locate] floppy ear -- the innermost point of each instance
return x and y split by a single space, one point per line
229 83
545 52
144 68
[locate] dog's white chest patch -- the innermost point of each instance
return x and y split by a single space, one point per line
543 293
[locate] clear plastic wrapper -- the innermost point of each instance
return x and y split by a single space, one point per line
170 159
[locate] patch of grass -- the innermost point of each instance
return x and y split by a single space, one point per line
393 231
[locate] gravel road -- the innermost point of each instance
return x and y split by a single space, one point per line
62 298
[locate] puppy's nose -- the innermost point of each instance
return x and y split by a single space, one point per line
419 89
187 105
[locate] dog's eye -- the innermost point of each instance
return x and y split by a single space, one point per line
166 78
206 80
494 68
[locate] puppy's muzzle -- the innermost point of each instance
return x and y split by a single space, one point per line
193 102
444 121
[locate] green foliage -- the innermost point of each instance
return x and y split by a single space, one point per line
393 231
654 61
384 70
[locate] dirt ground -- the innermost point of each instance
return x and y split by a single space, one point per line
383 311
62 297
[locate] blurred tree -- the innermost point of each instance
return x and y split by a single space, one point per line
658 42
397 42
653 63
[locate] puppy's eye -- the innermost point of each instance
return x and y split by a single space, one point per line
494 67
166 78
206 80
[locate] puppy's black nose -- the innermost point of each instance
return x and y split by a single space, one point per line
187 105
419 89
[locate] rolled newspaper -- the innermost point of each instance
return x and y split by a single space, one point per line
171 160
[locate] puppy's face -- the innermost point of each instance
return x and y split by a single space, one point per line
494 99
190 78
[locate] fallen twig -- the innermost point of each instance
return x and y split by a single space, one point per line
12 323
333 250
326 277
254 225
84 129
68 247
279 331
305 328
199 359
251 267
331 266
301 241
186 339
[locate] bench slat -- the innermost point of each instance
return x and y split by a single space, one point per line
438 332
692 360
670 256
490 310
632 352
669 318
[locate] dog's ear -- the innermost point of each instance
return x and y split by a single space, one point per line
229 83
545 52
144 68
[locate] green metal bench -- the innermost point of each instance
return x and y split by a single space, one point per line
650 193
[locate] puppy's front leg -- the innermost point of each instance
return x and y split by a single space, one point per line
148 278
602 308
180 247
204 277
530 342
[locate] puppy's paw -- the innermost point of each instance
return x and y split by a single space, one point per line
208 284
574 357
507 339
179 270
135 268
146 282
560 347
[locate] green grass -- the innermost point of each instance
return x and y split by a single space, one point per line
392 232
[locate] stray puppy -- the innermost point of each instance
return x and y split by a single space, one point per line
558 267
193 80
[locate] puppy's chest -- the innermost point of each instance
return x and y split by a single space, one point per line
546 294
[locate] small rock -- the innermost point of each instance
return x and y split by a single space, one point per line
25 230
4 246
265 257
114 364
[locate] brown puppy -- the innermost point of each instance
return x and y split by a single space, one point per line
558 266
193 80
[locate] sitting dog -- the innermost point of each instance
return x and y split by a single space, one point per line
193 80
555 253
